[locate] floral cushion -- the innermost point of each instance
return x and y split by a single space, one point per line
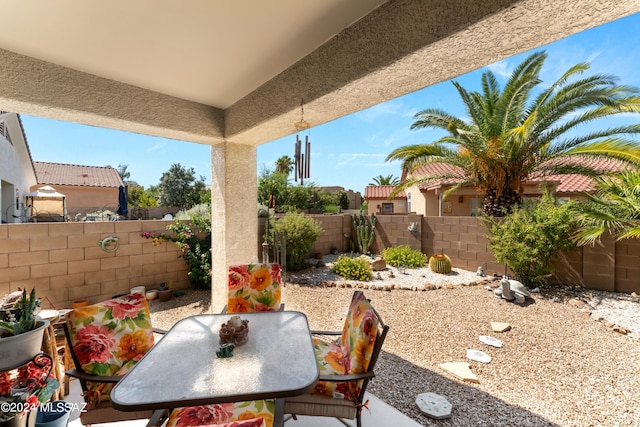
352 354
225 414
109 338
254 287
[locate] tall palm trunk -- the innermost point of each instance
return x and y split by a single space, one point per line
493 205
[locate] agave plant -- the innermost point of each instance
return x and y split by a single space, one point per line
26 320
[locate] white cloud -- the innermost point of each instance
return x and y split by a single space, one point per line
157 147
360 159
501 68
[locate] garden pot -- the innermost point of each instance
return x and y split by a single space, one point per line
80 303
165 295
57 415
137 290
318 255
26 420
19 349
151 294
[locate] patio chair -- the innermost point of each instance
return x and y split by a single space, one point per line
105 341
251 288
346 366
254 287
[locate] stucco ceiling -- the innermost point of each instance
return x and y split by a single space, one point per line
209 51
213 71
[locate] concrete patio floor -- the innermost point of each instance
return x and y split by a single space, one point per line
379 414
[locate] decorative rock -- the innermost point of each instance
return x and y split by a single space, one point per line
621 330
518 298
500 326
490 341
480 272
460 370
535 290
377 263
519 288
478 356
577 303
434 405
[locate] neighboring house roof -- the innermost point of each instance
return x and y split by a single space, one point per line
77 175
571 183
382 192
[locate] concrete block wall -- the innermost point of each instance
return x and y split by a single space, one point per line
65 262
462 239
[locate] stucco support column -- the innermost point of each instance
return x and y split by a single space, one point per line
234 222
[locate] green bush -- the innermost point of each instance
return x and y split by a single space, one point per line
352 268
403 255
194 240
528 239
301 233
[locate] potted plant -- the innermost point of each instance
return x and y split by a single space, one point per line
164 292
21 333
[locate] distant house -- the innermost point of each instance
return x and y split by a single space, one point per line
378 202
428 199
87 188
354 197
17 173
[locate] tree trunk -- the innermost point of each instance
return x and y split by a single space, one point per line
499 206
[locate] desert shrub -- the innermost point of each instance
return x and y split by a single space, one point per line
301 233
403 255
352 268
331 209
528 239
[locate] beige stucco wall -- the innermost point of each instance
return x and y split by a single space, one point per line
79 198
64 261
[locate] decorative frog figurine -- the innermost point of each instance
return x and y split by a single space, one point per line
225 350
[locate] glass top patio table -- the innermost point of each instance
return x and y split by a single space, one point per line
182 368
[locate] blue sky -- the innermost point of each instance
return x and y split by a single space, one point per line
349 151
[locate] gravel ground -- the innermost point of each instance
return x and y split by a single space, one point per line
558 366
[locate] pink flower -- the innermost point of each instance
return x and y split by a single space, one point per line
205 414
127 306
94 344
239 277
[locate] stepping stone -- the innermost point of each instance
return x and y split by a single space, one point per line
434 405
500 326
460 370
478 356
490 341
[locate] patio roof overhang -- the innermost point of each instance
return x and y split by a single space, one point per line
209 71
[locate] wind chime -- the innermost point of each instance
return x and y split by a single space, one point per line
302 160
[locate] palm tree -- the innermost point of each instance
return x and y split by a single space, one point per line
385 180
284 165
614 207
510 136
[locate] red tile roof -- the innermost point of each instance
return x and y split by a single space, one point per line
571 183
382 192
88 176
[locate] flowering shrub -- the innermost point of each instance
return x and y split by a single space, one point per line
404 256
352 268
157 240
194 240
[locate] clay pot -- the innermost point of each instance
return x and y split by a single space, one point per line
318 255
80 303
165 295
151 294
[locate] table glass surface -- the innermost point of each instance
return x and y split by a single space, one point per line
182 368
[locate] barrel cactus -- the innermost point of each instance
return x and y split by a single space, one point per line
440 263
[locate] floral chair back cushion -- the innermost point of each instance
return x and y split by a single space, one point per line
352 354
109 338
253 413
254 287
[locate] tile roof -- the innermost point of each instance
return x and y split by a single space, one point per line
381 192
88 176
571 183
